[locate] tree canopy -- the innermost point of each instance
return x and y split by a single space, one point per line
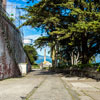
72 25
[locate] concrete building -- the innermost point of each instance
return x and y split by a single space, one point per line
11 49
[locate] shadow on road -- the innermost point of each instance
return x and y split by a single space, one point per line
44 72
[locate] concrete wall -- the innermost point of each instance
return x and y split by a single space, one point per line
11 49
23 68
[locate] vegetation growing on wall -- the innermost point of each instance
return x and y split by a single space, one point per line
12 19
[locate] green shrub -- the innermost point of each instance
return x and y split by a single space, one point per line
98 69
31 53
35 66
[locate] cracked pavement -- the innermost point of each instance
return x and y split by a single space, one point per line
44 85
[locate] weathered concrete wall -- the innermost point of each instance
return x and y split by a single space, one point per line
11 49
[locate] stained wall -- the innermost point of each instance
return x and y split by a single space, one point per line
11 49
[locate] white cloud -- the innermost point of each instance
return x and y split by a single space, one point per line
40 51
33 37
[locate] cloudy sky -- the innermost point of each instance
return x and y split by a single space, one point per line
29 32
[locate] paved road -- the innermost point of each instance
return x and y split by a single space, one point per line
86 88
52 88
44 85
37 85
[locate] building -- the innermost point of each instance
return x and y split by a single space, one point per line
12 55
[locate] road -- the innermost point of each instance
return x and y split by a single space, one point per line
44 85
37 85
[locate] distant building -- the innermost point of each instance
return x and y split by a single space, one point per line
47 64
27 41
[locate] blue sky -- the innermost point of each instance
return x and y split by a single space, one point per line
29 32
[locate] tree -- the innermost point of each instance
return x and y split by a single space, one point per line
86 28
31 53
46 18
73 26
83 32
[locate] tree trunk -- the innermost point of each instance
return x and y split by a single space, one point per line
72 58
53 56
85 59
76 59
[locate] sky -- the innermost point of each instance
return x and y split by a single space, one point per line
28 32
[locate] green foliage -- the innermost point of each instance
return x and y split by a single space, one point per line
42 42
76 32
12 19
46 68
95 67
35 66
31 53
82 66
98 69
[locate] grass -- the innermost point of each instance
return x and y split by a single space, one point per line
35 66
46 68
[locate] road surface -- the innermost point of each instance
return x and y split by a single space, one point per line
44 85
37 85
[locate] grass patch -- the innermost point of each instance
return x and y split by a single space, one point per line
46 68
35 66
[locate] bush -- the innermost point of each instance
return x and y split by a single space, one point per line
98 69
31 53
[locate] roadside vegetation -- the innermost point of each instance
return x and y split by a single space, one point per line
31 53
35 66
72 27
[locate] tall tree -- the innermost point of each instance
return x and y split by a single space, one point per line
84 29
45 15
74 25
